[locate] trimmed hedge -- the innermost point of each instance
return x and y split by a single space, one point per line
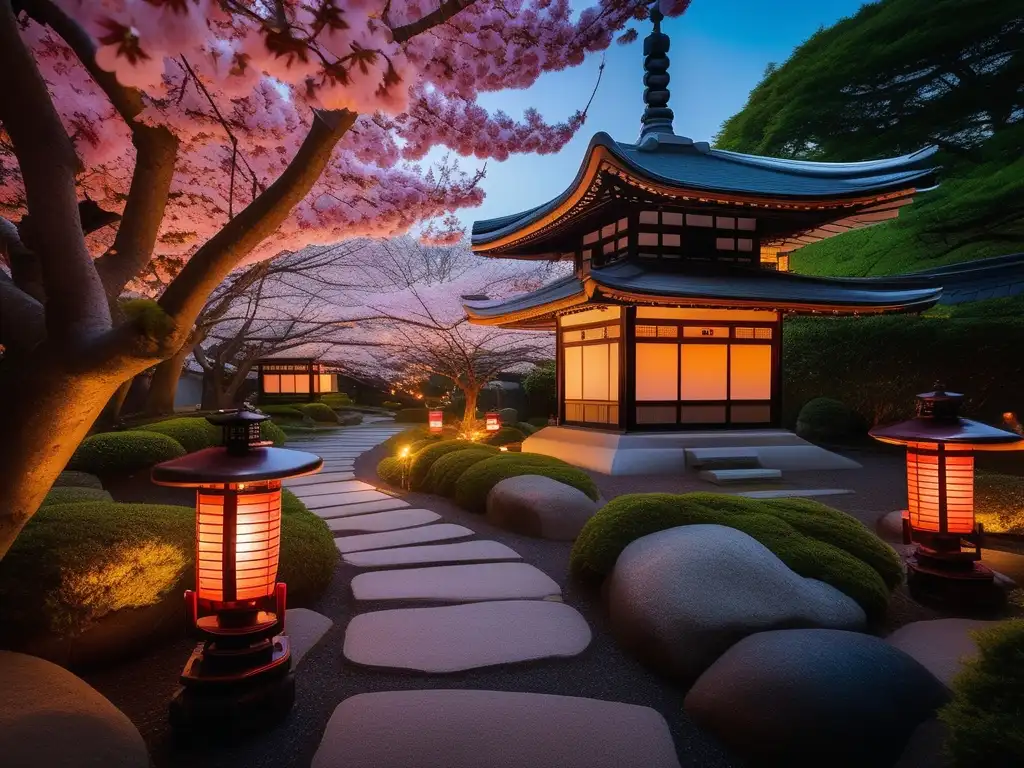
425 457
69 495
319 412
828 420
73 565
444 475
422 443
71 479
112 453
335 399
194 433
391 405
815 541
476 482
270 431
983 718
526 428
412 416
414 435
509 416
284 411
390 469
506 435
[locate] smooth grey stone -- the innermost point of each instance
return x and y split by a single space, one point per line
325 477
382 521
458 637
492 729
305 628
540 507
436 554
941 646
456 583
420 535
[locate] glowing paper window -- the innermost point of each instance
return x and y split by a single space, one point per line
272 383
574 373
301 384
595 372
326 382
751 372
657 367
704 373
934 475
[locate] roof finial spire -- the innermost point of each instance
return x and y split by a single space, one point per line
657 117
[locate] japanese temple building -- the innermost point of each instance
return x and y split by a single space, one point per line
669 328
293 378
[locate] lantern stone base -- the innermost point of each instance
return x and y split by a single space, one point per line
663 453
971 589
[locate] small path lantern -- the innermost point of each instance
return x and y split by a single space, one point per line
436 421
492 421
940 492
241 671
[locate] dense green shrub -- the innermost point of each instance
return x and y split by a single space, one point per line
70 495
319 412
538 421
444 475
509 416
506 435
335 399
999 502
984 716
476 482
284 411
74 564
392 469
112 453
425 457
827 420
526 428
406 437
541 388
411 416
193 432
67 478
814 540
270 431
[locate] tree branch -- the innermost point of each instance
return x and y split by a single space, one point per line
445 11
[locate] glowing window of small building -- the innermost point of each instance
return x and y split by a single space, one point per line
623 225
613 372
751 372
657 367
705 372
744 244
648 217
667 331
725 244
574 373
595 372
272 383
591 237
648 238
670 241
608 247
302 384
712 315
672 219
699 220
747 225
783 262
725 222
622 244
607 231
327 383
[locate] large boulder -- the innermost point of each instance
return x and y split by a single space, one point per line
942 645
49 717
815 697
681 597
539 506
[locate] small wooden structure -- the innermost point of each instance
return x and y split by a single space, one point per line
294 378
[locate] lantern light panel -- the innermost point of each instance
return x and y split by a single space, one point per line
492 422
436 421
940 479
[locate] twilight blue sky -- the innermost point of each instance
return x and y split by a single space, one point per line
719 51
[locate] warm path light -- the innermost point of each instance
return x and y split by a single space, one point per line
492 421
940 491
241 671
436 422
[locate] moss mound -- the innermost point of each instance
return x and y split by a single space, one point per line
284 411
506 435
270 431
112 453
426 456
828 420
319 412
391 469
406 437
985 727
815 541
194 433
444 475
71 495
476 482
69 479
335 399
509 416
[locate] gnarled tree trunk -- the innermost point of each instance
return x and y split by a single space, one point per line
164 384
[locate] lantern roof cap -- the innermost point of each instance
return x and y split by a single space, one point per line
216 465
957 431
237 416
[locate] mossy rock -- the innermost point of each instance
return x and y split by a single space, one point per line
71 479
193 432
122 453
391 469
95 582
425 457
476 482
984 716
444 475
827 420
505 436
815 541
71 495
411 416
319 412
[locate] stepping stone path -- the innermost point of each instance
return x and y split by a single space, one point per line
501 613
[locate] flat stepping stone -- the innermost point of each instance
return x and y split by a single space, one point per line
457 583
382 521
305 628
463 551
492 729
345 486
320 477
722 458
454 638
726 476
340 499
349 510
799 493
421 535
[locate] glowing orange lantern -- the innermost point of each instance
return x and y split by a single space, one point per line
492 421
238 606
436 421
940 486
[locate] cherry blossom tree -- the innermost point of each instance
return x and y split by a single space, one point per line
203 134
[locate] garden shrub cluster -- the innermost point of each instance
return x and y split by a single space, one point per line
425 457
335 399
76 563
285 411
983 717
999 502
526 428
391 405
113 453
68 478
444 475
411 416
815 541
826 420
270 431
538 421
319 412
73 495
476 482
391 470
505 436
509 416
193 432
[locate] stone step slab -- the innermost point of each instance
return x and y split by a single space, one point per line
457 583
796 493
322 489
320 477
733 457
341 499
726 476
382 521
422 535
437 554
492 729
348 510
455 638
